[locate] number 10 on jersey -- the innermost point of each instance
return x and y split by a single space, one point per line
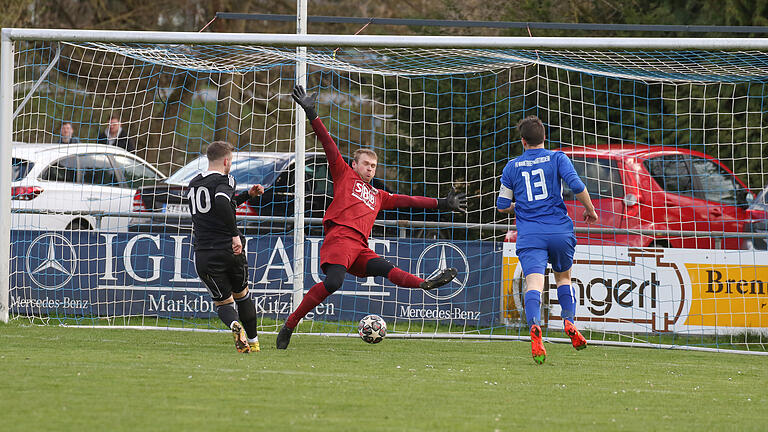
200 200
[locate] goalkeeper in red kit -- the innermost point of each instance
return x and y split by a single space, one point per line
349 220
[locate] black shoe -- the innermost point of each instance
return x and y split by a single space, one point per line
284 337
439 279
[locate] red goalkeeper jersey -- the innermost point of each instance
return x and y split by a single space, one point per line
355 202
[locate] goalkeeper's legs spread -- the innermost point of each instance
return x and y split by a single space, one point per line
334 277
370 264
374 265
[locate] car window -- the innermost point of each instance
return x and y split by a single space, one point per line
20 169
256 170
96 169
672 173
63 170
135 173
186 173
601 176
319 177
245 170
716 184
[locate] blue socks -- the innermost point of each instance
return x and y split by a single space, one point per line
567 302
532 307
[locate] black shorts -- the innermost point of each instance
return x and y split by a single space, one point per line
222 272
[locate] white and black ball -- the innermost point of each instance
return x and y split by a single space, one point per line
372 329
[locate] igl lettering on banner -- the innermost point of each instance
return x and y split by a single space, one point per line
654 290
144 274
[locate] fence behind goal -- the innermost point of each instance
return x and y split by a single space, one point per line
671 145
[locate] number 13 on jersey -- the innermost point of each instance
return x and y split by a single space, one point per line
540 184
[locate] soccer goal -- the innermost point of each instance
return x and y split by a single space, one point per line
669 135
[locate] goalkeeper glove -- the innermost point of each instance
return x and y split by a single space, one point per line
454 201
305 101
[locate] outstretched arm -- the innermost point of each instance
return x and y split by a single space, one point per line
307 102
454 201
400 201
254 191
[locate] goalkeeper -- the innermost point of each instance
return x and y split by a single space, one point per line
545 232
349 220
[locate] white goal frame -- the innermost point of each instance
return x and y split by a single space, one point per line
10 35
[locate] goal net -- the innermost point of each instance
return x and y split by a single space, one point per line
671 145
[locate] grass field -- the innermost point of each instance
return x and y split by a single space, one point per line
56 378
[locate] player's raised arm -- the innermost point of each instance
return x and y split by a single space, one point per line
307 102
454 201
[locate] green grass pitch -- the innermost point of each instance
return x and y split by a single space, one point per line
61 379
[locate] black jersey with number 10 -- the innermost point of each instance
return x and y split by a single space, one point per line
210 227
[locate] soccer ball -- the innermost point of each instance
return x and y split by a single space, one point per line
372 329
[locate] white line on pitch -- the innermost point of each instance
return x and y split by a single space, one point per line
260 291
140 288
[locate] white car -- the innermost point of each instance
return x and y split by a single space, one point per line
53 183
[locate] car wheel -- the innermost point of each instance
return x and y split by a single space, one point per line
78 225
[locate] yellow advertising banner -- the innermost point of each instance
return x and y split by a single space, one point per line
728 295
509 307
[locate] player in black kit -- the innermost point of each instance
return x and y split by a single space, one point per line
219 257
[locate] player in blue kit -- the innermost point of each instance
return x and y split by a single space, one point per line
544 230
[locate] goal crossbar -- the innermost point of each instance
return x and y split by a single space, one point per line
390 41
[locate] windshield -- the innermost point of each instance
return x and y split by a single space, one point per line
247 170
601 176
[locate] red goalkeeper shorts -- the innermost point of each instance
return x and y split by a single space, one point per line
346 246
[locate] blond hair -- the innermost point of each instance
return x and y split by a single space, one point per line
364 151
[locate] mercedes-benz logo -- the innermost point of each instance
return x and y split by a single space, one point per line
438 257
51 261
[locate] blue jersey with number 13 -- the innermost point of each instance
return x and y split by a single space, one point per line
535 179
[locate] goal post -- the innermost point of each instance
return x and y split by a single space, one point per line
668 133
6 137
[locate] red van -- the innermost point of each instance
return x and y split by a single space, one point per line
658 188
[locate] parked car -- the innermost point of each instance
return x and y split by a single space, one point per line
658 188
56 178
276 172
758 221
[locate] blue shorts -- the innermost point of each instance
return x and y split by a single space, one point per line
536 250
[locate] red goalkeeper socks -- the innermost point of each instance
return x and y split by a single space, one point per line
312 298
404 279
